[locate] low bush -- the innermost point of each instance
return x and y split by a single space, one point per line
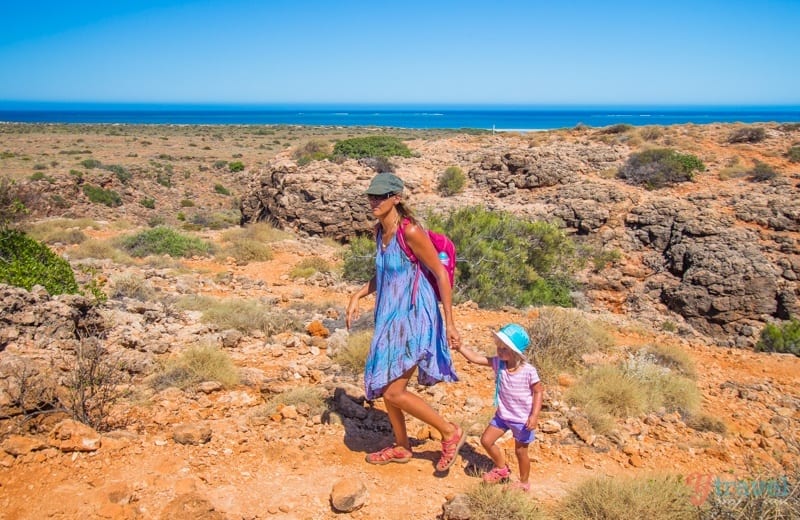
24 262
451 182
222 190
492 502
314 150
620 128
793 154
650 133
672 357
12 203
706 423
747 135
559 339
762 172
605 498
660 167
503 259
309 401
99 249
148 202
131 286
359 260
164 241
91 163
236 166
353 355
242 315
245 250
94 382
309 266
371 146
120 171
216 220
257 231
784 338
64 231
98 195
199 363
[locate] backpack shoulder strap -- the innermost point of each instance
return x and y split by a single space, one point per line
401 240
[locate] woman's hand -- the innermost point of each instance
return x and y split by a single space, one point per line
453 338
352 311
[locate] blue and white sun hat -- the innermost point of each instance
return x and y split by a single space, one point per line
514 337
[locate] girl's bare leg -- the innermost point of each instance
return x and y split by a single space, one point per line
521 450
488 440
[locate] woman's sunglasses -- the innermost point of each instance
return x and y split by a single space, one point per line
380 198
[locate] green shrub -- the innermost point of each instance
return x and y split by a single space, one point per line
222 190
91 163
506 260
122 174
452 181
359 260
220 164
24 262
604 498
12 205
762 172
164 241
620 128
309 266
660 167
372 146
793 154
257 231
148 202
747 135
98 195
783 338
789 127
186 203
198 364
236 166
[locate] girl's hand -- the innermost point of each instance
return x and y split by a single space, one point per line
532 422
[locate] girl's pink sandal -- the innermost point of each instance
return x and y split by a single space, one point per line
450 449
390 454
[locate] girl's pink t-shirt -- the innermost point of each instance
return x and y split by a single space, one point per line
515 398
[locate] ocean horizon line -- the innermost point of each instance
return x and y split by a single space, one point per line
455 116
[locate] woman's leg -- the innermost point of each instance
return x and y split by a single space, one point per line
488 440
521 450
398 421
398 400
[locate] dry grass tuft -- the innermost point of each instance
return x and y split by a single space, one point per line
490 502
559 337
353 356
655 498
242 315
199 363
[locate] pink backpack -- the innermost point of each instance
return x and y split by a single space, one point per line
447 255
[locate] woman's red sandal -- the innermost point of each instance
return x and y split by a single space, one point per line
450 449
390 454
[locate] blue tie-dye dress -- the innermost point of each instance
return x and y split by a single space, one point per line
405 335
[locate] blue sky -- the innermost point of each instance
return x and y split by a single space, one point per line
448 52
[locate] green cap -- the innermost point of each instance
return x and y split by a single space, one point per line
384 183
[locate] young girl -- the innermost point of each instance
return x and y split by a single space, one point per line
410 336
518 397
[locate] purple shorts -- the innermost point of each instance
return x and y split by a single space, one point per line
521 433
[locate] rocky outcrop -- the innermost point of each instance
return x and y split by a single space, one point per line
720 281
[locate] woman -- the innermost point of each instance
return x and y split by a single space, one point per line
409 335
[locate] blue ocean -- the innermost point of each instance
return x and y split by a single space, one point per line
500 118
